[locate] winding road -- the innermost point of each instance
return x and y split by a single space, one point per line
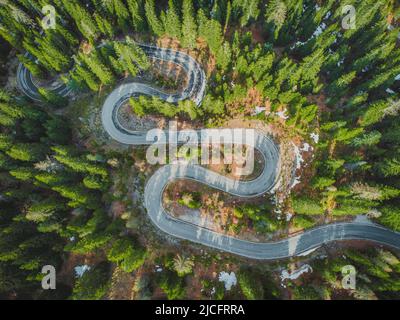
266 181
28 86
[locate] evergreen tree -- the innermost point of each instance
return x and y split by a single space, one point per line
136 9
97 66
152 18
189 32
28 152
246 10
251 289
93 285
129 257
171 21
172 285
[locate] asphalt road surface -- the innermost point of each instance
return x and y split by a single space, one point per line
264 183
28 86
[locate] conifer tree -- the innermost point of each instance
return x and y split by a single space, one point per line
189 32
171 21
136 9
152 18
246 10
97 66
29 152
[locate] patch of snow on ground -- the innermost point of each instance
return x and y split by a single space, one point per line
328 15
319 30
158 269
299 161
80 270
230 280
299 157
295 182
306 148
289 217
259 110
397 77
295 274
315 137
282 114
390 91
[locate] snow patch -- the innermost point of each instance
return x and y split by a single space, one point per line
158 269
299 44
229 279
296 181
319 30
328 15
259 110
295 274
306 148
300 160
390 91
299 157
282 114
80 270
315 137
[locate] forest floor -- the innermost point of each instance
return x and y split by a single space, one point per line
217 211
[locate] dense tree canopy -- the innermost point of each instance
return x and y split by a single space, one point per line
342 84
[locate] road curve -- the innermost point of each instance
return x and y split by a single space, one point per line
195 89
28 86
266 181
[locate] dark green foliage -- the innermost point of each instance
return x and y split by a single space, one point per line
127 254
93 285
172 285
377 276
391 217
331 81
260 216
189 32
251 288
152 18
